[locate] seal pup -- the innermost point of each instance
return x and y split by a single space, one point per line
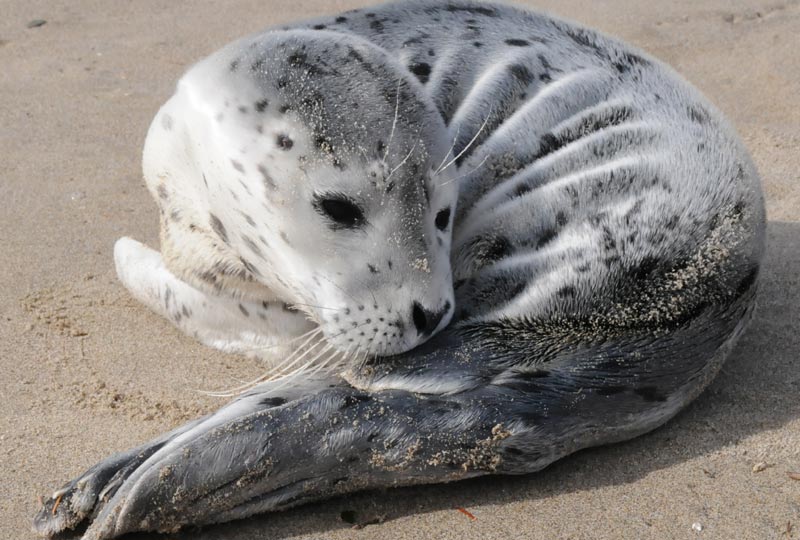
603 253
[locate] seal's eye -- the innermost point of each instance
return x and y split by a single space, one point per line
343 212
443 219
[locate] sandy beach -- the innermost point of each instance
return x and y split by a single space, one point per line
87 371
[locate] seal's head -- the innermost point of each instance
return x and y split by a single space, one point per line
349 217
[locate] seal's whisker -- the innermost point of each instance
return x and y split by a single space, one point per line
469 144
363 361
315 330
303 368
295 339
467 173
286 379
287 365
394 122
329 280
311 334
449 150
272 371
318 307
325 364
403 162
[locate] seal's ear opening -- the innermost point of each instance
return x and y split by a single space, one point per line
342 211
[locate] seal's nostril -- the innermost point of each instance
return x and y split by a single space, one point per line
427 321
418 314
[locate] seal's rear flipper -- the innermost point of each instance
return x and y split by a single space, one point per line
68 507
222 322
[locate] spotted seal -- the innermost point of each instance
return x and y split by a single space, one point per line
500 236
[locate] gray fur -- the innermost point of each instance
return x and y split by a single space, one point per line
606 247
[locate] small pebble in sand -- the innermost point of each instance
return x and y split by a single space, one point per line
697 527
761 466
36 23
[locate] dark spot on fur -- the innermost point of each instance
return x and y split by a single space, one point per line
645 268
497 248
162 191
546 237
372 268
472 10
244 310
521 73
269 183
609 240
477 44
353 399
738 209
628 60
252 246
249 267
284 142
341 20
672 223
517 42
422 70
234 65
297 59
238 166
272 401
218 227
567 292
697 114
747 282
261 105
250 221
319 27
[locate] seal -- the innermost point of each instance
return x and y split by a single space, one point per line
486 237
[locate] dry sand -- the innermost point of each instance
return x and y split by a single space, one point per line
87 371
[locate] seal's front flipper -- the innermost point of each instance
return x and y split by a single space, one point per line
255 328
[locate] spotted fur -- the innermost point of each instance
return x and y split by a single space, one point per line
604 250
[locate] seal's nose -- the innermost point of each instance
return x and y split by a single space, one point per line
427 321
